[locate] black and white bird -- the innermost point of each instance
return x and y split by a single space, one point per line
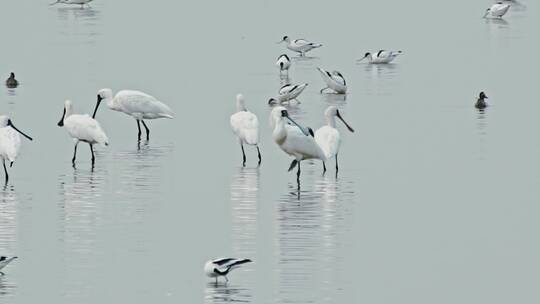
334 81
284 63
288 92
222 267
301 46
11 82
382 56
481 101
4 261
497 10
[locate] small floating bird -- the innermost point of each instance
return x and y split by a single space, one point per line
245 126
82 127
301 46
497 10
4 261
334 81
75 2
137 104
382 56
222 267
284 63
10 142
328 137
288 92
11 82
294 139
481 101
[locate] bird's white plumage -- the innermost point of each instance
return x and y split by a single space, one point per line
10 143
301 46
329 140
82 127
289 92
283 62
245 124
137 104
292 140
497 10
4 261
334 81
382 56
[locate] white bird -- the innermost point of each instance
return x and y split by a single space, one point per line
82 127
222 267
10 142
294 139
76 2
382 56
334 81
137 104
284 63
497 10
301 46
4 261
328 137
245 126
288 92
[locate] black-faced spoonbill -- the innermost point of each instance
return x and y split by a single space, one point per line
301 46
481 101
4 261
334 81
328 137
245 126
497 10
11 82
381 56
10 142
222 267
136 104
82 127
294 139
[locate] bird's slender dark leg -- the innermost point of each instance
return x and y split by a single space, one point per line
147 130
216 280
324 168
139 127
259 154
243 155
5 171
93 157
298 173
74 154
337 167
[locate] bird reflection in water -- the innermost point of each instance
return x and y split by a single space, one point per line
223 292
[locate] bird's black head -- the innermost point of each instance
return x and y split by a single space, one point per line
482 95
285 38
284 113
367 54
12 75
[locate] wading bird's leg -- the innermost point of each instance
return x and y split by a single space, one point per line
11 164
298 174
93 157
337 167
7 176
147 130
324 168
74 154
243 155
139 127
226 279
259 155
216 280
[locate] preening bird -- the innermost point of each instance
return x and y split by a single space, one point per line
328 137
293 139
301 46
82 127
10 142
136 104
284 63
245 126
497 10
222 267
334 81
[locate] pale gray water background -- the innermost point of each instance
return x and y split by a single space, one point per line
435 203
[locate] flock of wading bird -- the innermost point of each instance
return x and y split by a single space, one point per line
298 141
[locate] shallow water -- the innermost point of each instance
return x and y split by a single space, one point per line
434 202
